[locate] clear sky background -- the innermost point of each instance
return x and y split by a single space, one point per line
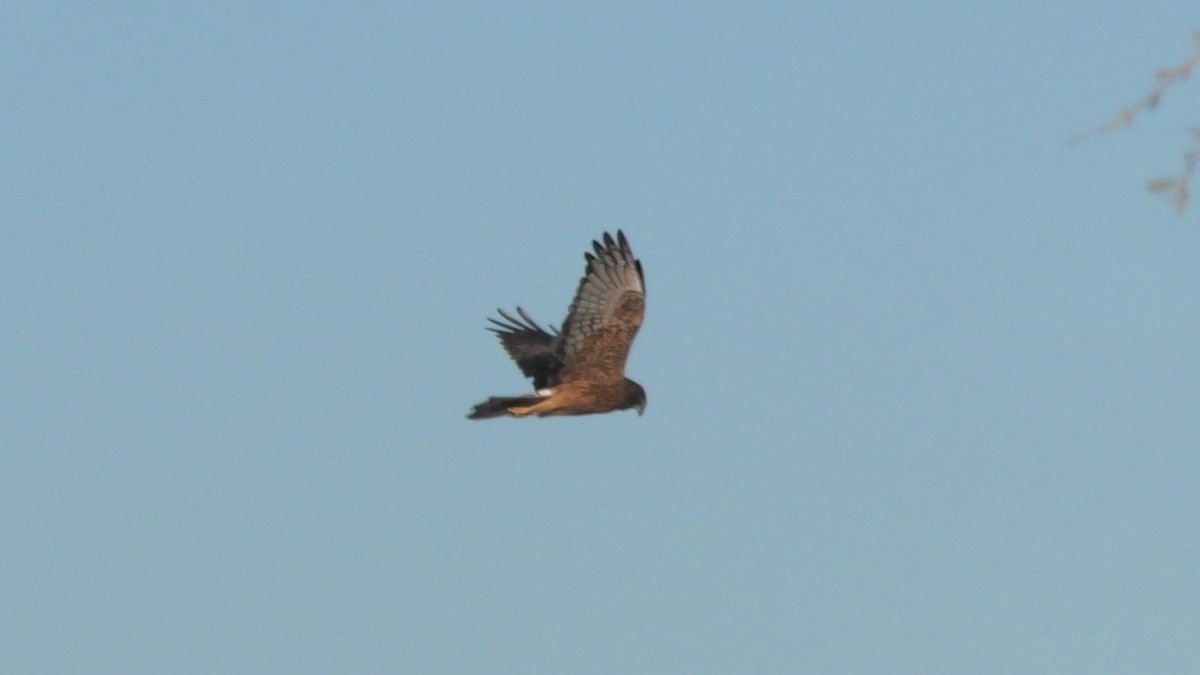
923 381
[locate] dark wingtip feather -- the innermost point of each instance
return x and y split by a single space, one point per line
512 324
622 241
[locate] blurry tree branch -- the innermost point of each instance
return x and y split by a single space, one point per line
1173 187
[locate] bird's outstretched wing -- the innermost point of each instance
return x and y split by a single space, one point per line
605 315
530 345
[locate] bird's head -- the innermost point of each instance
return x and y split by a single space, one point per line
635 397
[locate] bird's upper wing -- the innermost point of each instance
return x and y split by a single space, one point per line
605 315
530 345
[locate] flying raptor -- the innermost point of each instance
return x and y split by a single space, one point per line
580 370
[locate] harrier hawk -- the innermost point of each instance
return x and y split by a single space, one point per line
580 370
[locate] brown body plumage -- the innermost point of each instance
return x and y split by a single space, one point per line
580 370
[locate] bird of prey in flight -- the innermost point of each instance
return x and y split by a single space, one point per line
579 370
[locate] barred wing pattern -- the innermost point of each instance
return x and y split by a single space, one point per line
605 316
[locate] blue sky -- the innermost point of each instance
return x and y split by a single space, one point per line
923 381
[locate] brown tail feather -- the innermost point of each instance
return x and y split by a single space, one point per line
497 406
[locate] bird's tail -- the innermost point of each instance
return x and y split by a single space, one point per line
499 405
